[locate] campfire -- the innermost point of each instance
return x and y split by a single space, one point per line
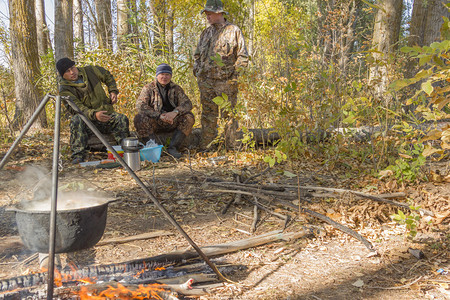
142 279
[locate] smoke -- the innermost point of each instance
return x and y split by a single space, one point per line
38 188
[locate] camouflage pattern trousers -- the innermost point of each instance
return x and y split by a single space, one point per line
210 89
118 126
145 125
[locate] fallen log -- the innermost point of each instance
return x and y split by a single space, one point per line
225 248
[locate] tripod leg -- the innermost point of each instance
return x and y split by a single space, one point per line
146 190
25 129
52 232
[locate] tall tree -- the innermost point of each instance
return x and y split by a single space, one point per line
25 61
426 21
78 23
123 25
43 37
170 25
63 29
104 23
385 37
158 8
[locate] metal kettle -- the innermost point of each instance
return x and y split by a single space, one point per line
131 156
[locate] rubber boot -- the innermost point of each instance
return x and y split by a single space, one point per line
175 142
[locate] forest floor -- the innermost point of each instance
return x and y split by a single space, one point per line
328 264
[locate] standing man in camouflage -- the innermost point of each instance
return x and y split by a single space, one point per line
83 85
216 76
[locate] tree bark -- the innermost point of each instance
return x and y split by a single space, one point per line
123 27
426 21
434 21
385 38
169 28
104 23
158 8
78 24
63 29
41 28
25 62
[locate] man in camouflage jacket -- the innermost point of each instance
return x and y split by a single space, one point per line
83 85
163 106
220 56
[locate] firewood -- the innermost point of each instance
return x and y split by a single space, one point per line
143 236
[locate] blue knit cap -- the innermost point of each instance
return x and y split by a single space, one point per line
163 68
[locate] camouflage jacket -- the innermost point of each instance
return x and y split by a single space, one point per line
225 40
90 96
150 101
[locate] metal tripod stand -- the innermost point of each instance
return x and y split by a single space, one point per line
51 261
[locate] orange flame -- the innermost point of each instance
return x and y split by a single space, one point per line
121 292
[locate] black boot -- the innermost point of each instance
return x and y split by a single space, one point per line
175 142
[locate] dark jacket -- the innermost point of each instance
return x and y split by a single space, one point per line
90 96
150 102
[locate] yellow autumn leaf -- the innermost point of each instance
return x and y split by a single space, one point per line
430 151
405 155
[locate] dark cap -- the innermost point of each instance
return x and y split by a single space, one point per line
163 68
63 65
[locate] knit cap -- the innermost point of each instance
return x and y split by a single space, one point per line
63 65
163 68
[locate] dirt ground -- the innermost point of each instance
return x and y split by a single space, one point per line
328 264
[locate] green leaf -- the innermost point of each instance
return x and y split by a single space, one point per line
289 174
218 100
427 87
424 59
399 84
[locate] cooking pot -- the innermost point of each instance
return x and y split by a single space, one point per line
76 229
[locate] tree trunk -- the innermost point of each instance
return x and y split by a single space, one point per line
104 23
426 21
41 28
158 8
434 21
63 29
123 27
385 37
169 29
78 24
25 62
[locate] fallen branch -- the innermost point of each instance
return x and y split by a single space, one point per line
310 212
126 239
220 249
380 198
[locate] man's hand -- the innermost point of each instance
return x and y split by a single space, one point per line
102 116
168 117
113 97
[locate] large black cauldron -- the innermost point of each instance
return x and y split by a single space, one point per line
76 229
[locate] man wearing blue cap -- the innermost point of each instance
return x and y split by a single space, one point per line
163 106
